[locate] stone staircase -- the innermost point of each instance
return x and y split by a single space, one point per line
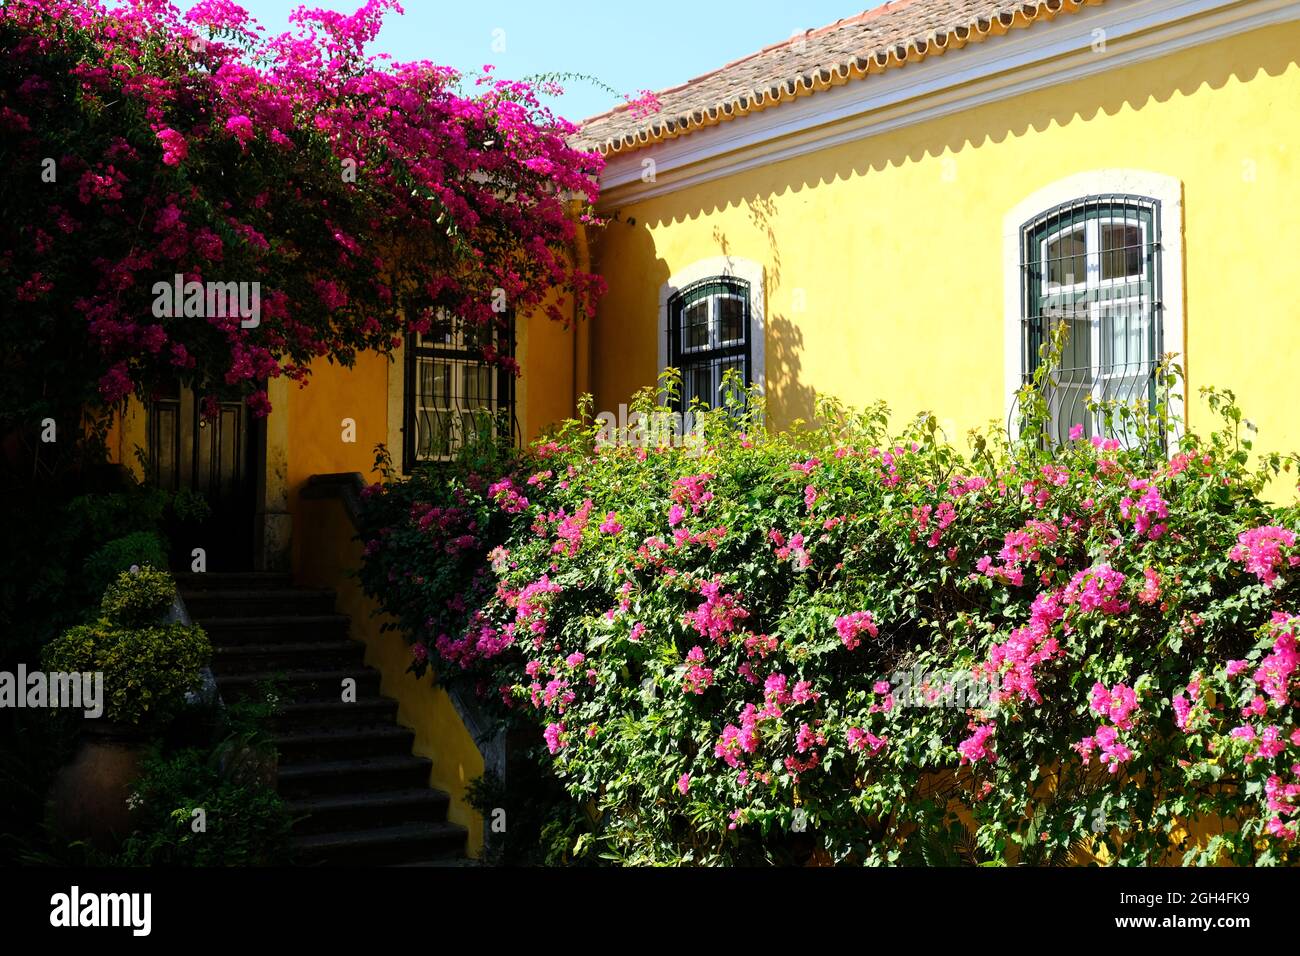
346 769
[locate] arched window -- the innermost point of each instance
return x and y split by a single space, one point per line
709 325
1092 266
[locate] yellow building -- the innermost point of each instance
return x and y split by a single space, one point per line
898 206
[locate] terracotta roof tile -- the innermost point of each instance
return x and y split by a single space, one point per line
905 31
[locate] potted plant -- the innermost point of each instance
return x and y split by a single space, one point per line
147 667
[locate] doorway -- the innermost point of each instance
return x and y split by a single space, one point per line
218 459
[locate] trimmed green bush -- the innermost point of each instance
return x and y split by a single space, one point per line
147 671
138 597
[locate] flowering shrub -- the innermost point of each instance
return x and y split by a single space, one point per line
751 655
362 195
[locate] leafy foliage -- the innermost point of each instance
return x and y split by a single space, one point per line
148 671
245 822
139 596
117 557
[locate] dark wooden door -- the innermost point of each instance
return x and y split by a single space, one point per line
217 458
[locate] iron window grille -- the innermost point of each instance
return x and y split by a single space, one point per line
1093 266
452 394
709 334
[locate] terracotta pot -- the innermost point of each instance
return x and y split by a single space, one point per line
87 800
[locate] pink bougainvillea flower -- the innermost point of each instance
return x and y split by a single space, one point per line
1105 742
1260 550
1150 593
1096 589
859 739
851 626
175 149
554 736
718 615
976 747
809 497
1118 703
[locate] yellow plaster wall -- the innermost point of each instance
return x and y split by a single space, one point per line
315 427
545 393
896 240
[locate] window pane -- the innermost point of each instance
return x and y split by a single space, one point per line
476 379
731 319
725 366
1094 281
1076 353
450 383
1125 337
442 331
1121 250
434 384
696 319
1065 258
728 365
698 383
471 425
435 438
1070 384
475 335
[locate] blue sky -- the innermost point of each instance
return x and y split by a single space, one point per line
628 45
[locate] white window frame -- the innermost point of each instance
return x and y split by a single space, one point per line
726 267
1167 192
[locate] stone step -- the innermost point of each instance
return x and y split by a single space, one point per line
343 743
364 775
228 580
231 659
358 795
301 685
357 811
271 629
407 843
212 603
302 717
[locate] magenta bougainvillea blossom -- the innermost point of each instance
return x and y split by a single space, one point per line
153 149
1261 551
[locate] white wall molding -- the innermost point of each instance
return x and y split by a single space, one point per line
1022 61
735 267
1167 191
